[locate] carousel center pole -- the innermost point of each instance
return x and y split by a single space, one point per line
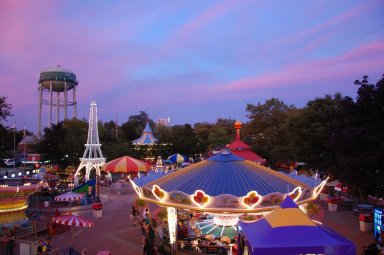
172 221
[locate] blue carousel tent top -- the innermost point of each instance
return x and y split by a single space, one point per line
151 176
226 173
146 138
287 230
310 181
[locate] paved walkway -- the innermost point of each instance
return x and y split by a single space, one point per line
347 224
114 231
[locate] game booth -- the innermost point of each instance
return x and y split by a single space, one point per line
288 231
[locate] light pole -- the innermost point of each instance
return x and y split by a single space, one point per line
14 146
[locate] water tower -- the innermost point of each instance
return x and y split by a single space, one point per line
54 85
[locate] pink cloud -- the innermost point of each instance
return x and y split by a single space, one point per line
312 38
187 29
356 62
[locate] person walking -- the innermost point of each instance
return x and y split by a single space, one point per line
147 248
10 242
134 215
39 249
145 211
48 244
144 231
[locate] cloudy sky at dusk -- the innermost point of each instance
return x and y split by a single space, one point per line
192 61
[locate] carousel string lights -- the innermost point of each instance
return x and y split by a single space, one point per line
225 187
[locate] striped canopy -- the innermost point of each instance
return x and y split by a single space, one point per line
69 196
146 138
177 158
227 174
73 220
287 230
125 164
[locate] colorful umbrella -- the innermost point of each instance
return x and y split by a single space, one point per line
177 158
69 196
73 220
125 165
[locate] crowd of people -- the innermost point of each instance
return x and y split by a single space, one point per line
147 227
44 247
8 242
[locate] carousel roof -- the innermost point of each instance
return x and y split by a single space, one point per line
147 137
151 176
227 173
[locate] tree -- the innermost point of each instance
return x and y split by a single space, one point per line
109 131
218 138
358 140
184 140
267 129
5 109
202 131
50 143
71 145
5 136
133 128
311 128
164 145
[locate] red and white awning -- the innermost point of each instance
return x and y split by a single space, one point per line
73 220
69 196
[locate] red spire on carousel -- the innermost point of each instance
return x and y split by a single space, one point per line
241 149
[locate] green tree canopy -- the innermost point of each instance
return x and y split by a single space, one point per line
267 128
133 128
5 109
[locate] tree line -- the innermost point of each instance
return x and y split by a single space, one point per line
336 135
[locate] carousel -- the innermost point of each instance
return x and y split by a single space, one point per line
216 193
13 205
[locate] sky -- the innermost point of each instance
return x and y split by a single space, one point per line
191 61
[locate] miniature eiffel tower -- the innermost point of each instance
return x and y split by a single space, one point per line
92 158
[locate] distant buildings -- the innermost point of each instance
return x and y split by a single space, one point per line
163 122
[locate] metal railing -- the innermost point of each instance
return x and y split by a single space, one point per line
23 247
193 247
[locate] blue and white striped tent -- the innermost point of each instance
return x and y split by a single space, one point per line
226 173
146 138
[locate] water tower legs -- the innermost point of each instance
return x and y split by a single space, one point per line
74 102
57 107
40 89
65 100
50 104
